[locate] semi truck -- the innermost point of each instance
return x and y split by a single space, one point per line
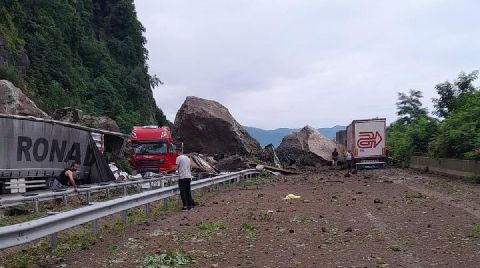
366 140
35 149
152 149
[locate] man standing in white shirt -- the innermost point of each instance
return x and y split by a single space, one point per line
349 158
184 169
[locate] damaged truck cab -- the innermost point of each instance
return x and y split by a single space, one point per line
153 149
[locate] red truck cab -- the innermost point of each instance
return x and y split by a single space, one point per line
153 149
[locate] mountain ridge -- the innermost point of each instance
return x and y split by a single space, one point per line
275 136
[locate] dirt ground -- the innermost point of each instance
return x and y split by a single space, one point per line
376 218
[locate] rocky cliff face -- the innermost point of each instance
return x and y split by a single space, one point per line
19 62
207 127
76 116
13 101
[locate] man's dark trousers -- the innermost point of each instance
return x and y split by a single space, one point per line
186 193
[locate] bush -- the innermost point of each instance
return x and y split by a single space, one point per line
458 135
11 74
405 140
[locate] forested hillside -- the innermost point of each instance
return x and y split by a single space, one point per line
87 54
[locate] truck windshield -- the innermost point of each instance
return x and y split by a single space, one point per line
150 148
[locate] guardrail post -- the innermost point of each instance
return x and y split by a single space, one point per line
124 216
108 193
53 241
88 197
147 210
35 205
124 190
139 188
65 200
94 227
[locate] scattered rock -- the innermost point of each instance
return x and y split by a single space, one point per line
377 201
349 229
291 231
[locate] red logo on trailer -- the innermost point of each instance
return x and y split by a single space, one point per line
369 139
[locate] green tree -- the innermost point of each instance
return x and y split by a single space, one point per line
410 107
458 135
411 133
454 95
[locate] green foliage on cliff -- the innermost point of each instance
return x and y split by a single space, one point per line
87 54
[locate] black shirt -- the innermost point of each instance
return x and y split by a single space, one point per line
63 178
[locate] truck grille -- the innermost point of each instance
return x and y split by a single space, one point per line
149 163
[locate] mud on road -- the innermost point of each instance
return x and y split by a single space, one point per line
380 218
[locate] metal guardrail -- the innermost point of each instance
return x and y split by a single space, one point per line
86 190
21 233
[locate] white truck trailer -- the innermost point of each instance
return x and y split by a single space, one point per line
366 140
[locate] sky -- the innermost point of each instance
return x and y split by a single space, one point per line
291 63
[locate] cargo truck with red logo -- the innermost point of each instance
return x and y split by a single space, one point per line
366 140
152 149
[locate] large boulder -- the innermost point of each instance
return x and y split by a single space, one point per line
296 158
233 163
13 101
310 140
207 127
77 116
270 156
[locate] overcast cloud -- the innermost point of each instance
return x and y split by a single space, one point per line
288 63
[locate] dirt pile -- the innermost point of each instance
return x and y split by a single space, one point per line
77 116
13 101
207 127
307 146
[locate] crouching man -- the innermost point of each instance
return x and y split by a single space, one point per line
65 179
